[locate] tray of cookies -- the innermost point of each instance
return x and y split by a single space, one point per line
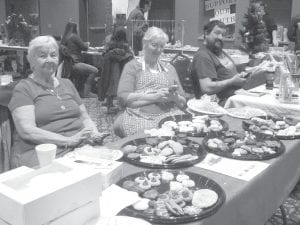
282 128
243 145
194 126
172 196
163 152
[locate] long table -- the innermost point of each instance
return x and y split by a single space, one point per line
247 203
266 101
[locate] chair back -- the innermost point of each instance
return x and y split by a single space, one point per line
59 70
182 64
196 84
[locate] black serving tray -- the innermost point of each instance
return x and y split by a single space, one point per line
187 117
191 147
201 182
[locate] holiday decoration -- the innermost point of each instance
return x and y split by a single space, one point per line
18 30
254 33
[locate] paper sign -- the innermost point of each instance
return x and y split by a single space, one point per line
244 170
220 12
216 4
227 19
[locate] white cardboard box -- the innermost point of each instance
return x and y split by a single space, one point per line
36 197
112 175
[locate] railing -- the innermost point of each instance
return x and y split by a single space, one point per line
173 28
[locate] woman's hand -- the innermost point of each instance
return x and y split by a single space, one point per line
158 96
97 137
79 137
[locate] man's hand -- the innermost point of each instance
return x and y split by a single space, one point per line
239 79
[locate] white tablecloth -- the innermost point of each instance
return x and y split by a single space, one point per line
266 102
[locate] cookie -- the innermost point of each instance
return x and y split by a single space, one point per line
142 204
204 198
133 156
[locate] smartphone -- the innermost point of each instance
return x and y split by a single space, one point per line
173 88
247 75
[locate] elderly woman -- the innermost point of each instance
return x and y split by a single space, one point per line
149 89
46 109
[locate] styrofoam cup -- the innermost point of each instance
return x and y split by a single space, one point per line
45 153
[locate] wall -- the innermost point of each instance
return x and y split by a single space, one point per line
55 14
2 11
295 7
189 13
280 11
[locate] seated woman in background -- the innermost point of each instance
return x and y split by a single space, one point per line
71 47
117 54
148 89
46 109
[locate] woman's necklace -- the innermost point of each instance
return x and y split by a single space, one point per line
153 69
50 90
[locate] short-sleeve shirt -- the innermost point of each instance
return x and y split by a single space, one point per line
57 111
207 65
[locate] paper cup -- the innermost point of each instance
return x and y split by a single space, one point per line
45 153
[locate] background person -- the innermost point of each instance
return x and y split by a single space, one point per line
117 54
146 88
216 70
71 48
137 25
46 109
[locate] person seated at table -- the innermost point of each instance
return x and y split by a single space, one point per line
117 54
148 89
46 109
215 69
71 47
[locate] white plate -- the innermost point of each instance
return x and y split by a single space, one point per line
245 112
97 152
196 105
120 220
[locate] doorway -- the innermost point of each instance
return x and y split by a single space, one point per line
96 11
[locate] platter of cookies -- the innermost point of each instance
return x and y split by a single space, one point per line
243 145
163 152
172 196
285 129
205 106
194 126
245 112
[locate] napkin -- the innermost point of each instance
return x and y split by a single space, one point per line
114 199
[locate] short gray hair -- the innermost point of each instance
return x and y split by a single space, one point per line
155 32
39 42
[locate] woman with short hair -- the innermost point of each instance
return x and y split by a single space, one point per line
149 89
46 109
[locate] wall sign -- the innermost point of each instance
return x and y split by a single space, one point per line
226 18
217 4
222 10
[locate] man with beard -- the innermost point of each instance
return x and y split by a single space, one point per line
215 70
